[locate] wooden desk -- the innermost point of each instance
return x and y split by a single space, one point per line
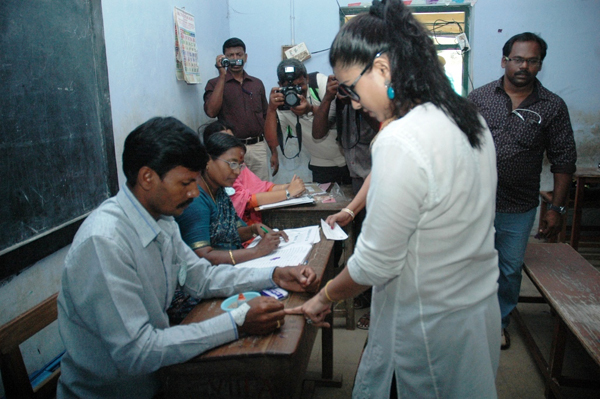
582 177
269 366
310 215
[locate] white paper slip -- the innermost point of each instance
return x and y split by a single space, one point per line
333 234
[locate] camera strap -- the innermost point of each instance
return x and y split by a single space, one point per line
313 85
289 136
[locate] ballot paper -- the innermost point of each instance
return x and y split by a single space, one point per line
336 233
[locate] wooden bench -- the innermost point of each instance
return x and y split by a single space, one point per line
14 333
571 286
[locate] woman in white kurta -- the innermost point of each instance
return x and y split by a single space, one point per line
427 243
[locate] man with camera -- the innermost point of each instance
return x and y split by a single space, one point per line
239 100
290 116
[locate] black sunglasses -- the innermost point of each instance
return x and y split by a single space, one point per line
348 91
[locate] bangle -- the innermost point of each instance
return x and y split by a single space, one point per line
231 256
326 294
287 192
349 212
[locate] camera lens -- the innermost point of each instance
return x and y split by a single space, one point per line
291 99
225 62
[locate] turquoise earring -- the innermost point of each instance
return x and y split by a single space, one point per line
391 93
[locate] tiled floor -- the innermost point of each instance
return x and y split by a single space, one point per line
518 376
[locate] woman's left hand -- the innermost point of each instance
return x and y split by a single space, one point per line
314 310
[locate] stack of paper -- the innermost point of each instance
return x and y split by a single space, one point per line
294 201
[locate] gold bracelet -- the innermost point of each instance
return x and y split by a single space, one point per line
231 256
349 212
326 294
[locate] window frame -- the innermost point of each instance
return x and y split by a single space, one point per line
466 9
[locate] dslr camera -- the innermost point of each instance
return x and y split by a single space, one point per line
290 92
227 62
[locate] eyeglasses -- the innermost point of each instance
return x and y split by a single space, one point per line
518 61
234 165
348 91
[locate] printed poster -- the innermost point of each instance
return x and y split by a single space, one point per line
186 52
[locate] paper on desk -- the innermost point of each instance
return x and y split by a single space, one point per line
290 202
302 235
333 234
291 255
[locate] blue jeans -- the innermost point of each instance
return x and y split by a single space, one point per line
512 234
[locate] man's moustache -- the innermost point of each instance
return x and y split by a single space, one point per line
522 74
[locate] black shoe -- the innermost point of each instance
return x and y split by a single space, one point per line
504 340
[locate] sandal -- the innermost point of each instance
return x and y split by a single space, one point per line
363 322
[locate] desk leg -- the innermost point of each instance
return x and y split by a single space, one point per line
327 379
575 229
348 251
557 355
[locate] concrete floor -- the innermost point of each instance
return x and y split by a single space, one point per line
518 375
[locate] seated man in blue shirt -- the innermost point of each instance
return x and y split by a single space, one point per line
125 263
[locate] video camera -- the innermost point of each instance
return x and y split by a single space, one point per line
291 92
227 62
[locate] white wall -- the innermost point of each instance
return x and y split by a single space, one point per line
140 53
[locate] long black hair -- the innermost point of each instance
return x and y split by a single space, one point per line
417 74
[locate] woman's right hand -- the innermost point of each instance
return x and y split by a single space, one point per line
341 218
268 243
296 187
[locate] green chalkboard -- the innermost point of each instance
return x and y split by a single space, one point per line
56 142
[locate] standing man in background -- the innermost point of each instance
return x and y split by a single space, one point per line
239 100
526 120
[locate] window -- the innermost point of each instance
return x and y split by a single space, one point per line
445 24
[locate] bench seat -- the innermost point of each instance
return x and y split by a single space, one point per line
571 286
14 333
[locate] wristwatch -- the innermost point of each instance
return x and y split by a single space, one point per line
559 209
287 194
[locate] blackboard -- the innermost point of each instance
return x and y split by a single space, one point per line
57 159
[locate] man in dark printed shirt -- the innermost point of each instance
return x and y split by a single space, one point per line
526 120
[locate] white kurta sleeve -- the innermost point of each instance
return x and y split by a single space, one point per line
398 190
